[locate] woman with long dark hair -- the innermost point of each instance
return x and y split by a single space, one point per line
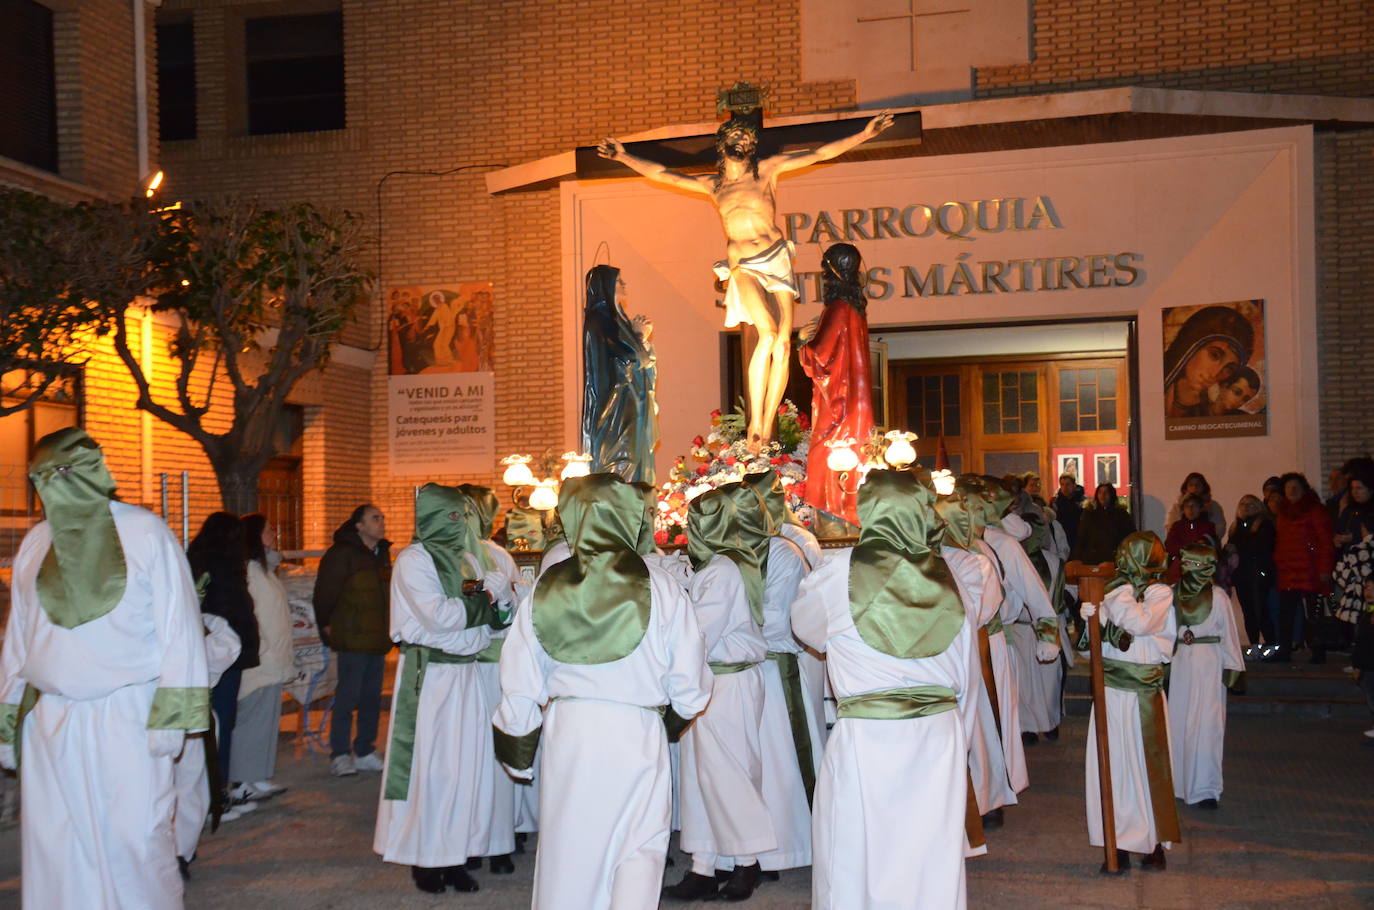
1102 527
1304 554
218 566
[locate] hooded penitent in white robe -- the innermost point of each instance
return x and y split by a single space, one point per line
784 788
499 581
606 803
190 775
1038 685
98 804
723 810
1004 668
890 800
1151 623
446 814
982 596
1197 700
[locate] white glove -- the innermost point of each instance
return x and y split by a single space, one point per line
7 757
166 743
1046 652
1087 610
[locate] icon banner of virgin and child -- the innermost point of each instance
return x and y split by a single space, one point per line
1215 382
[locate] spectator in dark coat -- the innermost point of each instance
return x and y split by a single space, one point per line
1251 541
1068 506
1192 528
1304 554
352 597
1102 527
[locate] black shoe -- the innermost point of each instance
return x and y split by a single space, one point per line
766 876
693 887
520 841
1280 656
1053 735
1206 804
474 863
430 881
501 865
184 867
457 877
1029 739
1154 860
741 883
993 819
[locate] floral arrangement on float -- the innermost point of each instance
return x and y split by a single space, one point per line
722 456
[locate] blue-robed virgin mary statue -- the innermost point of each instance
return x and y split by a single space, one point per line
619 413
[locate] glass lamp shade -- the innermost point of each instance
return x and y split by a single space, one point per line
899 452
842 457
544 497
518 473
576 465
944 482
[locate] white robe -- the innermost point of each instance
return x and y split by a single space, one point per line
606 805
1039 686
190 775
1151 622
783 789
890 801
97 825
1004 674
446 815
723 810
982 596
1197 702
812 664
500 582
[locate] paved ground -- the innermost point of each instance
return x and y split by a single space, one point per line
1296 828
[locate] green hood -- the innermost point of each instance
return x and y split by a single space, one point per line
1193 593
1141 560
962 525
485 506
645 544
594 608
83 575
446 526
901 594
768 486
715 527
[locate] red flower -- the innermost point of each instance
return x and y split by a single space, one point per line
701 470
803 421
661 537
782 410
715 414
778 461
698 441
680 539
730 459
798 489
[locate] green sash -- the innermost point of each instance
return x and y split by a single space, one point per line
898 704
1047 630
492 653
1200 640
721 668
1147 682
405 707
789 668
12 720
994 625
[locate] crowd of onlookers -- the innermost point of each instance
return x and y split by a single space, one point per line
1301 568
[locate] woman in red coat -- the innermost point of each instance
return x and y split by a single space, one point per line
1304 554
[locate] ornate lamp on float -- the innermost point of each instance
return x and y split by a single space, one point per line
899 452
944 481
544 496
843 460
577 465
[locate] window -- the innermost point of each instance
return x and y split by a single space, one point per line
28 94
932 406
1087 400
59 406
1011 402
281 485
295 73
176 80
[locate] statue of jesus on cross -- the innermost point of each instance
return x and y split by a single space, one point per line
761 288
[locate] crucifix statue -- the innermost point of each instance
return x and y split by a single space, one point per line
761 288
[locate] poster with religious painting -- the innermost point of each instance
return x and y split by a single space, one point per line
1070 463
1214 371
440 329
440 395
1107 469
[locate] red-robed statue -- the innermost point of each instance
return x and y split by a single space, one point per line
834 353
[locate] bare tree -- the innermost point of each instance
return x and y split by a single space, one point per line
258 295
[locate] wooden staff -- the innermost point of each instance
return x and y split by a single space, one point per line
1091 581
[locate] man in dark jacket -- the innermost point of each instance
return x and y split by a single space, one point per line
1068 506
351 608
